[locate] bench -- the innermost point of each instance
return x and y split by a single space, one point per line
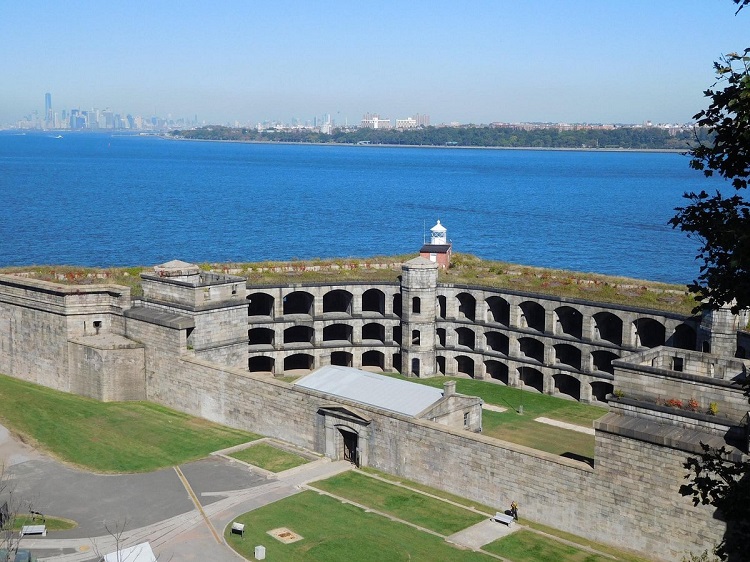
34 530
503 518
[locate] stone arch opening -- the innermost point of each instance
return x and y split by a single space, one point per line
497 342
337 300
397 304
440 332
341 358
260 364
467 305
260 336
299 334
498 311
567 385
440 360
416 305
397 333
497 371
299 362
298 302
374 332
466 337
465 365
684 337
600 390
648 332
260 304
531 378
569 321
337 332
415 367
608 327
373 358
568 355
396 360
532 315
602 361
442 305
531 348
373 300
348 445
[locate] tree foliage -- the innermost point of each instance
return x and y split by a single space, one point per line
722 223
723 226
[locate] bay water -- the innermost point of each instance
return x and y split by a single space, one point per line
127 200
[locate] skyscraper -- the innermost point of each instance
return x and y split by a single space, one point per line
49 119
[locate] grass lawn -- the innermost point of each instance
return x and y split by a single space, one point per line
52 523
527 546
269 457
109 436
429 490
337 532
422 510
522 429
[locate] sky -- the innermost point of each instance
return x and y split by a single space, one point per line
227 61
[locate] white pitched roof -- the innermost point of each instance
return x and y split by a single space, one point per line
396 395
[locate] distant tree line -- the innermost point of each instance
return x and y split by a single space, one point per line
476 136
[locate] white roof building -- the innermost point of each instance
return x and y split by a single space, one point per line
383 392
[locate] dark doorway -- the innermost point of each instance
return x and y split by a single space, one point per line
350 447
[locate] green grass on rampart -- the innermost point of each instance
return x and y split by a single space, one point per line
466 270
109 436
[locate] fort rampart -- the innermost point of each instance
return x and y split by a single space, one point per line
209 346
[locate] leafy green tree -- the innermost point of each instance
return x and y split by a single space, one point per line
722 224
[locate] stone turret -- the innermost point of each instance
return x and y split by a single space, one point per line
419 301
717 333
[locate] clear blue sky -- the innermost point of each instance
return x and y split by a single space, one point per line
621 61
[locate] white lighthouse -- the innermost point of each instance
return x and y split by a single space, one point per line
439 248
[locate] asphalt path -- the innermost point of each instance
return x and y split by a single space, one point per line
183 519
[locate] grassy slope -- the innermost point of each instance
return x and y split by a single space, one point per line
112 436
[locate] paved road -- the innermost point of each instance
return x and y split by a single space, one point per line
181 511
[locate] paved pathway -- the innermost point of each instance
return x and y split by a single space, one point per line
565 425
181 511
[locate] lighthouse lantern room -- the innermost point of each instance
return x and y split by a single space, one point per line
439 248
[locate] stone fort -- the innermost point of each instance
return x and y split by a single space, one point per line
210 345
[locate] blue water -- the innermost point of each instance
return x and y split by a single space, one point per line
103 200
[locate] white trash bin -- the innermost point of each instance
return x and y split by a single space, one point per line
260 552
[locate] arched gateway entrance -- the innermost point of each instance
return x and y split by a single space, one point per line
346 433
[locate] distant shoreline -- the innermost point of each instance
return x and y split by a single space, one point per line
536 148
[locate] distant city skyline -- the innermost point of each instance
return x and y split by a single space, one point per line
579 61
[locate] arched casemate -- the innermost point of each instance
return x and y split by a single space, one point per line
607 327
532 315
569 322
498 310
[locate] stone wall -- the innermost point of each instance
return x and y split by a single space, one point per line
630 499
107 368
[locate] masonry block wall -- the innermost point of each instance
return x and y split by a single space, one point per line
630 499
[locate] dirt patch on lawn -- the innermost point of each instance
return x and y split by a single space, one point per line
285 535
